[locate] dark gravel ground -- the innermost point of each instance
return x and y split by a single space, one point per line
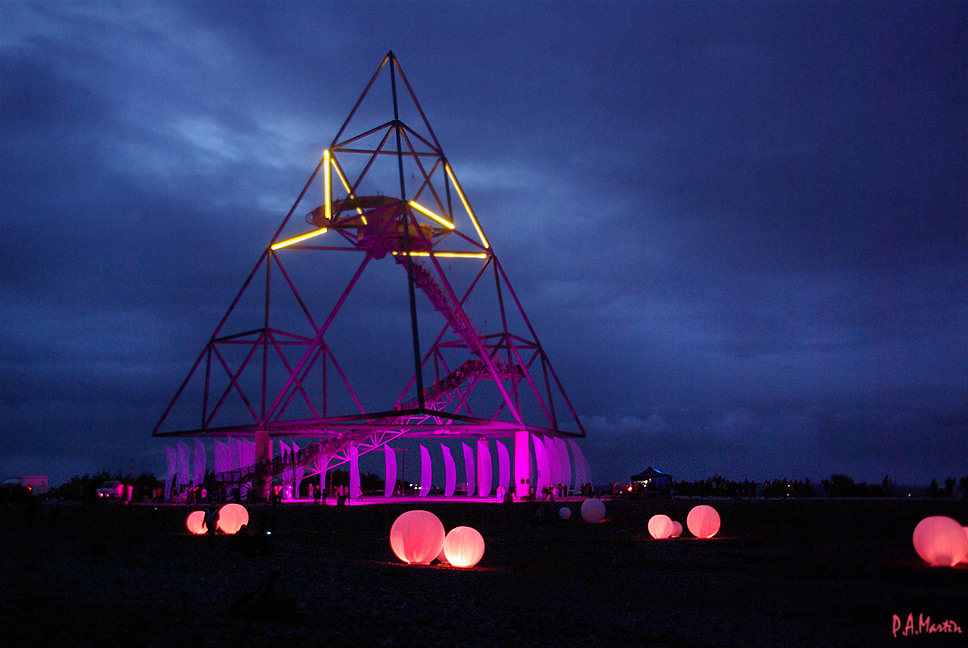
780 573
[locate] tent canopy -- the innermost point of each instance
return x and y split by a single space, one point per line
651 473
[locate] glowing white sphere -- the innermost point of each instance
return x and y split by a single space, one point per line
564 513
231 517
593 510
463 546
940 541
703 521
195 523
417 537
660 527
676 529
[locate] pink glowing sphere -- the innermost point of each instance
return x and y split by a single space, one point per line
676 529
564 513
660 527
593 510
940 541
965 559
703 521
195 523
463 546
231 517
417 537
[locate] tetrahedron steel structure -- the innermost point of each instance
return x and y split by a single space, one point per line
378 310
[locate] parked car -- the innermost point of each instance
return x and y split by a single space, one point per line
111 490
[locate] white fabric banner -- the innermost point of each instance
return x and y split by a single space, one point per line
485 471
554 472
248 458
235 453
468 468
564 465
503 466
541 464
426 471
450 471
198 476
221 456
171 454
184 470
583 472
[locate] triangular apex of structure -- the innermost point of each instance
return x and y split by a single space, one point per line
388 93
382 311
386 164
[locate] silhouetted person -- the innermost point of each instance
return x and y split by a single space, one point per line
211 520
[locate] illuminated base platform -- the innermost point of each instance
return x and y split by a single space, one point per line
377 499
436 499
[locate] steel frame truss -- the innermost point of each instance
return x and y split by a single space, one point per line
420 229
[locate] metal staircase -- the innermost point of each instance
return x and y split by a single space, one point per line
444 305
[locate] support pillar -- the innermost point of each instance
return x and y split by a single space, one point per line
355 490
522 465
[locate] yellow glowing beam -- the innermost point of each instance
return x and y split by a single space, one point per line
429 214
327 186
342 178
470 212
297 239
346 184
451 255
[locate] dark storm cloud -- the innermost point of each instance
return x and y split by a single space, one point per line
739 228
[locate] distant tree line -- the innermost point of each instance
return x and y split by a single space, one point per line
844 486
837 486
949 488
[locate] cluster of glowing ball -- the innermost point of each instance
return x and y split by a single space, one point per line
417 537
195 523
593 510
676 529
231 518
940 541
661 527
564 513
463 546
703 521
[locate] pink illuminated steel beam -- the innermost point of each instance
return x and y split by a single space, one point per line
329 320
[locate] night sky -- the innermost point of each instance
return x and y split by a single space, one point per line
739 229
